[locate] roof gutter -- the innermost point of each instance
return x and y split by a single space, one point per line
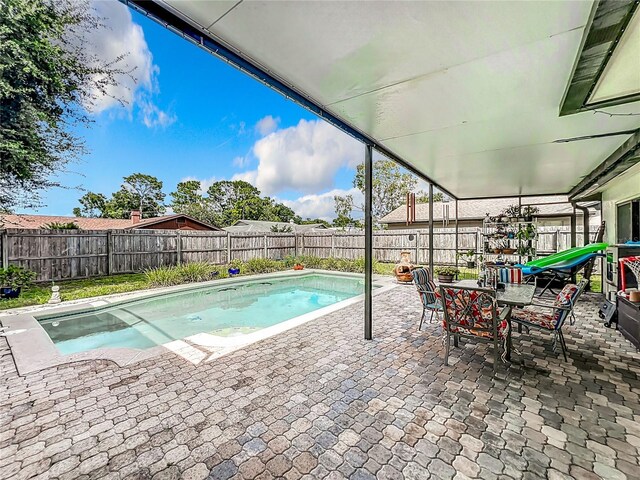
199 36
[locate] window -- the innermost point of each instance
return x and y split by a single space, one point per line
628 221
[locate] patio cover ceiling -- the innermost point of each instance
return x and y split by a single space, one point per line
465 93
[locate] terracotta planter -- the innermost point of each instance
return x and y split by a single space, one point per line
403 268
298 266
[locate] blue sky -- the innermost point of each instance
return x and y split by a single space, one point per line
192 116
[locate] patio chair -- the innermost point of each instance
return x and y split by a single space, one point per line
561 308
472 313
428 292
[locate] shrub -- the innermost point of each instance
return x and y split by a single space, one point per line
263 265
332 263
237 263
196 271
163 276
289 261
16 277
309 261
62 226
445 270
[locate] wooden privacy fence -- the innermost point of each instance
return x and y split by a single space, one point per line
69 254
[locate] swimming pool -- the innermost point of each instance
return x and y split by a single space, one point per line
225 310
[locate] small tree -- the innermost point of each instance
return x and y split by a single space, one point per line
282 229
48 80
62 226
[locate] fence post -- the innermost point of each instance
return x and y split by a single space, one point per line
178 247
110 253
266 250
417 247
302 244
228 247
295 244
5 249
333 247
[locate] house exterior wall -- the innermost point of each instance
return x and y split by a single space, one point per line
621 189
172 224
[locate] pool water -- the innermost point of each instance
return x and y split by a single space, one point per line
222 310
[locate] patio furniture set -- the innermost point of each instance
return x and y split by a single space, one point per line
486 314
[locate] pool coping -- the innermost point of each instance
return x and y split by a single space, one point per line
33 350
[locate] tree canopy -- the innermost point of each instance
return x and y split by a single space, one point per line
48 80
390 187
137 192
227 201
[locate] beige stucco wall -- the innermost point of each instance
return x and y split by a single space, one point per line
622 188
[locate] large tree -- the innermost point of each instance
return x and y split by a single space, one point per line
227 201
92 205
189 200
390 187
48 80
137 192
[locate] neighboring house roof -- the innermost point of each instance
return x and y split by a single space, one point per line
478 209
149 222
88 223
259 226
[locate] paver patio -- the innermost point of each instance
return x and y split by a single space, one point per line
320 402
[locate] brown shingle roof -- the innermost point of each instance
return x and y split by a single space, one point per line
86 223
39 221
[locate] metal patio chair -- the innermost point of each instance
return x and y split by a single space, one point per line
472 313
560 310
428 292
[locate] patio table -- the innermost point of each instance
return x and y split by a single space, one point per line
514 295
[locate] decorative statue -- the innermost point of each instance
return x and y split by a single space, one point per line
55 294
403 268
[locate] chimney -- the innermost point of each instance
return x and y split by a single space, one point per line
135 216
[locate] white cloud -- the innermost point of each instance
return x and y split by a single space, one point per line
304 158
240 161
153 117
321 205
267 125
121 38
249 177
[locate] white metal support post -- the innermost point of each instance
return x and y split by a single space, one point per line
368 242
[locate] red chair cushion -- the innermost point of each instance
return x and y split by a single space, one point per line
540 319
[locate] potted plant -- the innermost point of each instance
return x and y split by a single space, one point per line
512 212
13 279
528 212
446 274
526 232
234 267
469 257
298 266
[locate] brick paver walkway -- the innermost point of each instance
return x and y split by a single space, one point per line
320 402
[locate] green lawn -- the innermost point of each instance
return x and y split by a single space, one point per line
76 289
